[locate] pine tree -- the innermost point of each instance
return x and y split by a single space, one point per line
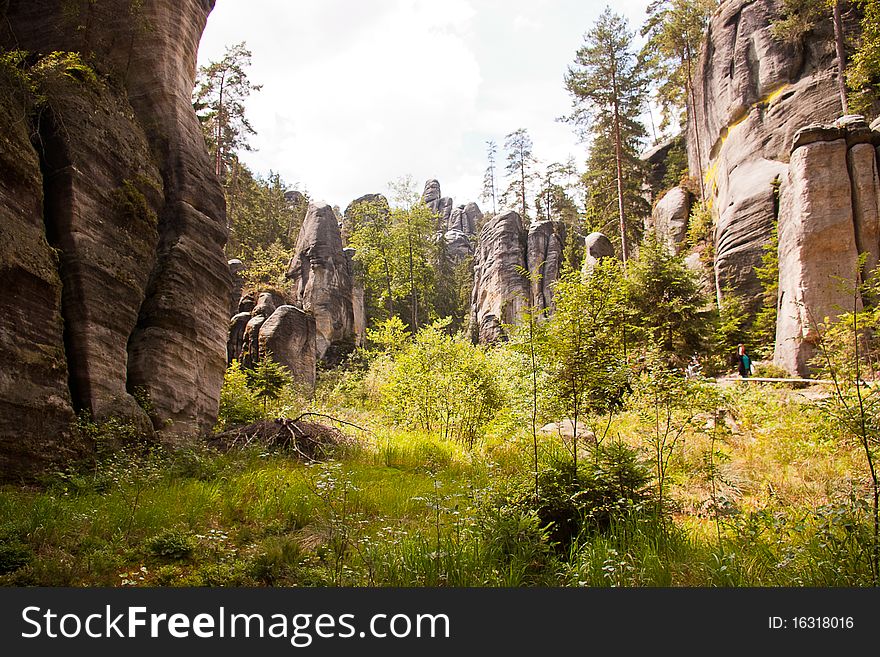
801 16
489 186
608 93
675 31
222 88
520 161
268 379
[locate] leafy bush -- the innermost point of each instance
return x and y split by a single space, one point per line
238 404
172 544
588 499
13 555
443 383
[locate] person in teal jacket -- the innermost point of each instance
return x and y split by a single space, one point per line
743 361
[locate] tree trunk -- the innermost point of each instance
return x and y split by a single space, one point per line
841 56
412 278
218 163
618 158
693 105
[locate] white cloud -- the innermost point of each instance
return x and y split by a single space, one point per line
357 94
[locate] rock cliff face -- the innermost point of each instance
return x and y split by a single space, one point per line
118 182
321 276
289 336
440 205
544 256
828 215
501 291
752 93
669 218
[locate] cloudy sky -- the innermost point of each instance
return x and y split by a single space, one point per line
359 93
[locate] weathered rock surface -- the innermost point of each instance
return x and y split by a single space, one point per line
358 300
465 218
35 404
596 247
828 215
321 278
752 94
289 335
439 205
669 218
135 212
236 267
544 255
501 291
235 341
459 245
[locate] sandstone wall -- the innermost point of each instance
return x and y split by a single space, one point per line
752 93
118 181
828 215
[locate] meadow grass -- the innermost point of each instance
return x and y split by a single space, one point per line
784 506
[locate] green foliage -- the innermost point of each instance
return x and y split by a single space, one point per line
238 403
267 266
444 384
397 253
675 30
700 226
490 185
263 223
583 351
219 97
268 379
763 333
608 90
13 554
172 544
668 403
729 329
798 18
389 337
571 502
668 308
676 164
863 73
132 204
519 168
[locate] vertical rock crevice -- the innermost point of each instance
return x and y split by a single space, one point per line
57 203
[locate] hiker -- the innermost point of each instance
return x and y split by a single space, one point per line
743 361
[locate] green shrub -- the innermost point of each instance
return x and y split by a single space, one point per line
589 499
238 403
13 555
173 544
443 383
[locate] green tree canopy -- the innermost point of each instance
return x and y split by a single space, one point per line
608 91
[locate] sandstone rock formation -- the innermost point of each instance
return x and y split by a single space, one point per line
119 182
439 205
369 207
828 215
501 291
235 339
249 353
465 218
752 93
289 337
236 267
596 247
544 255
669 218
321 278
